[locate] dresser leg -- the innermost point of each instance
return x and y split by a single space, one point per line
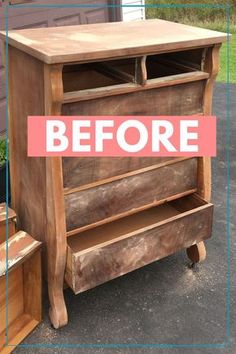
57 311
56 241
197 253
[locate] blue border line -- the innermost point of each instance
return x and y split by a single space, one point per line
187 6
225 344
7 174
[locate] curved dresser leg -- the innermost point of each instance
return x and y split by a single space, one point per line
197 253
57 312
56 242
56 224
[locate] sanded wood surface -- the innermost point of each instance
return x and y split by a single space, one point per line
15 297
96 41
102 202
28 191
81 171
134 247
18 331
20 247
4 213
119 229
3 220
24 303
56 225
3 232
211 65
118 89
33 286
183 99
24 296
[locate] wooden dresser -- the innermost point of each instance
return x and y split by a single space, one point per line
103 217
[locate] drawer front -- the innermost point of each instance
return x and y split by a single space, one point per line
129 194
98 264
84 170
183 99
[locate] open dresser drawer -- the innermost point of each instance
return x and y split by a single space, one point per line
111 250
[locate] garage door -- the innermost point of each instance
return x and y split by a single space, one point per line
48 17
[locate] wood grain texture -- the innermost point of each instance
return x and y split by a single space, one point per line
141 70
173 100
27 175
84 170
21 290
24 302
33 286
15 298
11 230
18 331
4 213
197 253
121 89
20 247
53 89
55 215
211 65
116 230
29 191
15 303
11 222
131 193
24 288
77 79
89 268
100 41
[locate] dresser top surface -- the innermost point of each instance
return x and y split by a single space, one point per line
109 40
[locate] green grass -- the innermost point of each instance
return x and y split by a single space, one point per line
221 26
194 14
222 76
3 146
214 19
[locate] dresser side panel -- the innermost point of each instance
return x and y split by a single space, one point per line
26 97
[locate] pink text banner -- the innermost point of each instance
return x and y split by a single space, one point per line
121 136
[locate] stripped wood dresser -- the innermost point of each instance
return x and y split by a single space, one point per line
103 217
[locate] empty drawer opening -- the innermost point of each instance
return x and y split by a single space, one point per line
123 228
100 74
174 63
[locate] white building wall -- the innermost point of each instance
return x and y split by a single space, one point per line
133 13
